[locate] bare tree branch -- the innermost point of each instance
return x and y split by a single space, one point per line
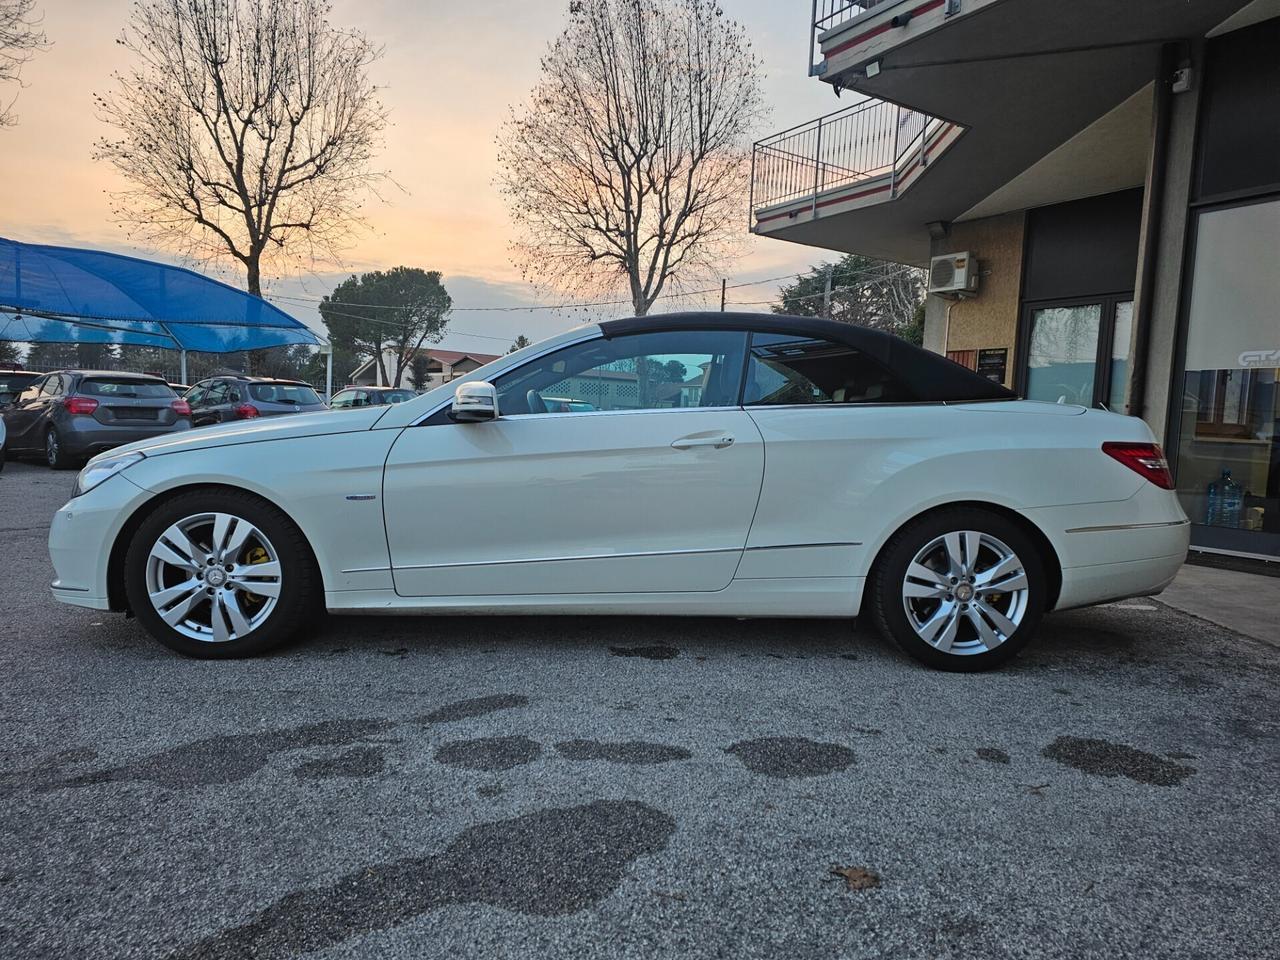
246 129
20 38
628 165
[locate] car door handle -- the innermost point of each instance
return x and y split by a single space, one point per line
719 442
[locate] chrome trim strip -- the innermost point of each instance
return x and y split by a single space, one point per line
1128 526
801 546
593 556
366 569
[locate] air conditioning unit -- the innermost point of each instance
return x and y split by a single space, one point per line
953 275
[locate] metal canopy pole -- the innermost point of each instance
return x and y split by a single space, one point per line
182 365
327 349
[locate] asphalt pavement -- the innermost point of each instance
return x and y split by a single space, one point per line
627 787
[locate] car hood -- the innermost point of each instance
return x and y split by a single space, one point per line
285 427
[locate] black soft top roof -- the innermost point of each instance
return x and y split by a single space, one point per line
930 376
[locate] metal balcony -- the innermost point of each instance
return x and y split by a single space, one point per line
869 151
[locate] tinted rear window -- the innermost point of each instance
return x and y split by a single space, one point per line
398 396
121 387
282 393
16 382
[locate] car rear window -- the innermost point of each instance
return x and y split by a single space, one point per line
282 393
122 387
398 396
16 382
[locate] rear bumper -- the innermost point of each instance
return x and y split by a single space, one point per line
1125 548
84 436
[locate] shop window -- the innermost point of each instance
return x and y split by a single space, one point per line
1229 418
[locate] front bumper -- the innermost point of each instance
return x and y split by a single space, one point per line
81 536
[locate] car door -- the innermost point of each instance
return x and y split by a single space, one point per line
652 490
213 407
19 416
36 414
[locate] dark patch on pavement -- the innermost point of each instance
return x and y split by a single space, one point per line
631 751
856 878
791 756
227 759
992 755
477 707
360 762
490 790
658 652
1102 758
549 863
489 753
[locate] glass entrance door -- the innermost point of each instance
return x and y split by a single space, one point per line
1078 352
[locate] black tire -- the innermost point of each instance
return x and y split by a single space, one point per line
888 603
55 455
301 597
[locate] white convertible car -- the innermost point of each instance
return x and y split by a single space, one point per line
703 464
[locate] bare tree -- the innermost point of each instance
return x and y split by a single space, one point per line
627 167
20 38
246 129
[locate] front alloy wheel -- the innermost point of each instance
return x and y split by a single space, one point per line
213 577
960 589
221 573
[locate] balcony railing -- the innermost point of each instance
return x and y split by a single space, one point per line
832 13
871 140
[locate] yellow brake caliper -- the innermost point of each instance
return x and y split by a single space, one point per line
251 601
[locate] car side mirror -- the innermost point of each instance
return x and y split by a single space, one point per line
475 401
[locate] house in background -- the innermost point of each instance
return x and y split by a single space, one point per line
441 366
1095 189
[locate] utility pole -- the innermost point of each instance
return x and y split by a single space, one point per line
724 285
826 291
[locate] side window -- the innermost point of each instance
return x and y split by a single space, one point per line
342 400
195 396
647 371
217 393
53 387
786 370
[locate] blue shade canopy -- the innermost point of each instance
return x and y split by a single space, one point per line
69 295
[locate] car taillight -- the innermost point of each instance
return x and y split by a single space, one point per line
246 411
80 404
1144 459
181 407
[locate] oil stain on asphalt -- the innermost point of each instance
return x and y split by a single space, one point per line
360 762
632 751
658 652
490 753
476 707
992 755
785 757
226 759
549 863
1102 758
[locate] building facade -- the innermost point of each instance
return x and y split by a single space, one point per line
431 367
1110 174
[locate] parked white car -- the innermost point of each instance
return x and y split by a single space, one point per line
729 464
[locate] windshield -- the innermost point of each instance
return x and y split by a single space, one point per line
122 387
298 393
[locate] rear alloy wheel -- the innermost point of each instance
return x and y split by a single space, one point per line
220 575
54 455
960 589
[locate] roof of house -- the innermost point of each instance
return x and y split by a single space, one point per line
450 357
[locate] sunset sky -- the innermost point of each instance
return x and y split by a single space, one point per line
450 72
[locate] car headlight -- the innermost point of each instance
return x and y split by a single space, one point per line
100 470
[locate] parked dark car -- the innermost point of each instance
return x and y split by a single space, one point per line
13 382
369 397
71 415
238 397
